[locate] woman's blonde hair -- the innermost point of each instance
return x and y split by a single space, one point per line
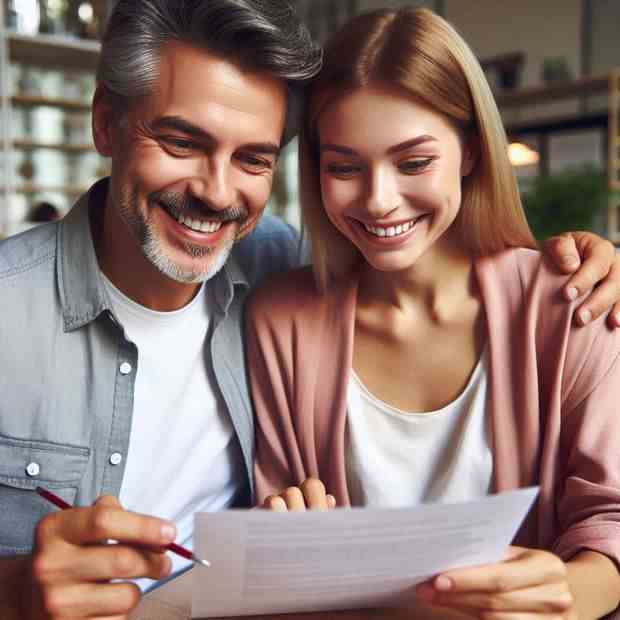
420 52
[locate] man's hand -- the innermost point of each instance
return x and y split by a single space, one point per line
72 562
594 262
309 495
529 583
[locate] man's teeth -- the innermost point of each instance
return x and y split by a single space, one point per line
199 225
390 231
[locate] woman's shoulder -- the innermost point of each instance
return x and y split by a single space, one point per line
523 291
522 266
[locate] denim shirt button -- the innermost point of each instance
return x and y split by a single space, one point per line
33 469
116 458
125 368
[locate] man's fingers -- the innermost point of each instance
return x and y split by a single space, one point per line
102 522
314 494
562 249
102 563
598 257
598 302
331 502
91 600
605 296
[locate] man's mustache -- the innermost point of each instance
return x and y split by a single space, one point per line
178 203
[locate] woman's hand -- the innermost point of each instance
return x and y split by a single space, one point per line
309 495
528 584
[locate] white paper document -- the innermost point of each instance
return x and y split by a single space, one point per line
270 562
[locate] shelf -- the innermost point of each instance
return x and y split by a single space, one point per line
29 145
590 85
34 188
53 102
53 51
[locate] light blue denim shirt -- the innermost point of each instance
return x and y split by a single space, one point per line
67 371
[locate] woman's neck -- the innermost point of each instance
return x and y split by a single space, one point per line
437 284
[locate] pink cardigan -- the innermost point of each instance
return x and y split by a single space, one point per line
553 401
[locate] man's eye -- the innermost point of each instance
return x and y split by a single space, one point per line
178 145
254 162
414 165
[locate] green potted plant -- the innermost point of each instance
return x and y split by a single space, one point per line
568 200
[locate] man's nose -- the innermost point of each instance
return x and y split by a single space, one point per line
382 194
213 184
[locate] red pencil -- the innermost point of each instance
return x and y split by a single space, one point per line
182 551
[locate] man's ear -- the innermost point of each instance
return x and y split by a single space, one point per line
471 153
104 121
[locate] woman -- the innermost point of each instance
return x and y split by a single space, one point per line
427 357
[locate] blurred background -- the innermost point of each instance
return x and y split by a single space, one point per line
554 66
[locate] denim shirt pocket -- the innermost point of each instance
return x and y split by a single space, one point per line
25 465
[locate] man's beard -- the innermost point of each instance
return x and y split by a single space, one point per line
152 248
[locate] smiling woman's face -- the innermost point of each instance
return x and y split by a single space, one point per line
390 172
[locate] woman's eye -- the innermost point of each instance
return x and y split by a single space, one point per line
414 165
342 170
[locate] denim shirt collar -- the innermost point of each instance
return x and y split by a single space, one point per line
83 296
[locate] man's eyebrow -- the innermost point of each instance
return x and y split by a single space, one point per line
178 123
401 146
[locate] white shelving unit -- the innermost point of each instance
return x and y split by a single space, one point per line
43 53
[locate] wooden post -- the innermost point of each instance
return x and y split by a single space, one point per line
613 162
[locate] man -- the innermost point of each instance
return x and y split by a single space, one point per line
122 369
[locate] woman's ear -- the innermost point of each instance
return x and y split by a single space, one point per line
104 119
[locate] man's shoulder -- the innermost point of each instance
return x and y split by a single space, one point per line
290 297
27 251
272 247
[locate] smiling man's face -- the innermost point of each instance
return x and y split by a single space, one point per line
193 162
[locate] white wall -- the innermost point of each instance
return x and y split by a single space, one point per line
539 28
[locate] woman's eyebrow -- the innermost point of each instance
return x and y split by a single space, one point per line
401 146
343 150
407 144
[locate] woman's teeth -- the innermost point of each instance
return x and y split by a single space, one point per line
390 231
198 225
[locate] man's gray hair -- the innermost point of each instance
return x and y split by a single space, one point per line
262 35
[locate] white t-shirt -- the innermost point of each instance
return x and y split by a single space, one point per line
398 459
183 454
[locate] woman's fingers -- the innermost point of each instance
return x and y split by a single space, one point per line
526 582
294 499
548 598
309 495
522 568
275 503
314 494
